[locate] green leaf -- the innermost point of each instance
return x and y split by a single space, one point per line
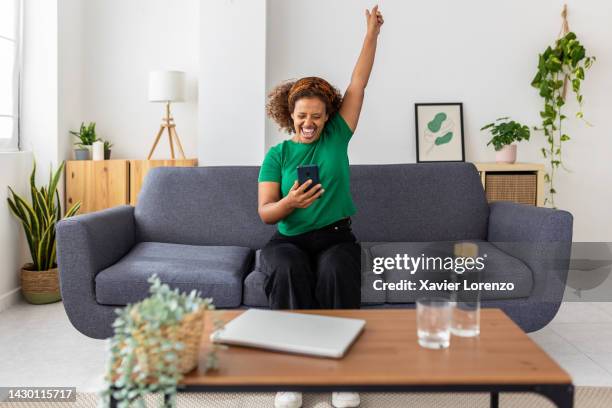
53 183
564 138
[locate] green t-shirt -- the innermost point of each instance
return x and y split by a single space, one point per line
329 152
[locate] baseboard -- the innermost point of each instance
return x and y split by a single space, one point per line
9 299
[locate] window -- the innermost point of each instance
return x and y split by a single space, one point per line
10 30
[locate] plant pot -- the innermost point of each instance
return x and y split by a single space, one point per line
188 332
40 287
507 154
107 155
81 154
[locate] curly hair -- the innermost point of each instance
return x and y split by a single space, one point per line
282 99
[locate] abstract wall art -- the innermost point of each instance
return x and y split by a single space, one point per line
439 132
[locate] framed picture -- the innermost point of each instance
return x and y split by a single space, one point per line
439 132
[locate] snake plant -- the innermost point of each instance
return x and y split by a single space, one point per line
39 218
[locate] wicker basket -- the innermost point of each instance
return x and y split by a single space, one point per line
520 188
189 332
40 287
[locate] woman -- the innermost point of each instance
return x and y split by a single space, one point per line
313 261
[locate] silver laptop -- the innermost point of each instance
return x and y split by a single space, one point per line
300 333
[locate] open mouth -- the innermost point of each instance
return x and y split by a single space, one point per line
308 132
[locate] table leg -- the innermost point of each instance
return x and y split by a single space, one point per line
495 399
561 395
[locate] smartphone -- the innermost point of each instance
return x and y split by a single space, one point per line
308 172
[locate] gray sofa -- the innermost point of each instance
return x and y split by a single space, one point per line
199 228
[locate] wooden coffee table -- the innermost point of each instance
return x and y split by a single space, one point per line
387 358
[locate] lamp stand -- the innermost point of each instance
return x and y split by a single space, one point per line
168 123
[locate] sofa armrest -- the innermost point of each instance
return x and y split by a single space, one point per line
540 237
87 244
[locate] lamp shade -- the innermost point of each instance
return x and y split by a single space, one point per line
166 86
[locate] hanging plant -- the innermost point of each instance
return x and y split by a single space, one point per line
565 62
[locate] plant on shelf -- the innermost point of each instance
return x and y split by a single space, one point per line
564 62
155 342
86 136
505 133
107 149
39 280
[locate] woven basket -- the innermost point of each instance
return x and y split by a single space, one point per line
520 188
40 287
189 332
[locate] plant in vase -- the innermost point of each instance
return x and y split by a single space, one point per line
107 149
155 342
86 137
505 133
39 280
565 61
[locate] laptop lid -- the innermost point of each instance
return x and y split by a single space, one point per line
300 333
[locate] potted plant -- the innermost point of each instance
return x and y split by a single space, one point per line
155 342
505 133
86 137
107 149
39 279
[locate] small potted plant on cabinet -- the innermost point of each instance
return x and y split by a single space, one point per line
39 279
505 133
86 137
107 149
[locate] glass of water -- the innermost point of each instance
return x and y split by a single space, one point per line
465 321
433 322
466 318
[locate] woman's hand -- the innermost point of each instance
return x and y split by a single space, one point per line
374 20
299 198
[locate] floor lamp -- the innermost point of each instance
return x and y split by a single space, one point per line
167 87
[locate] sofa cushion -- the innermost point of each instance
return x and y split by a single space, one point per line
216 271
498 267
421 202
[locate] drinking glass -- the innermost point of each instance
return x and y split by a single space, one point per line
433 322
466 318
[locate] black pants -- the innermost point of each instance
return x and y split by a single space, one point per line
317 269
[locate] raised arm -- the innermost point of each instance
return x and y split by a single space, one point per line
353 97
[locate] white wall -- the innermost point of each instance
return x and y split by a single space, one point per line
481 53
39 93
122 41
14 171
232 82
70 73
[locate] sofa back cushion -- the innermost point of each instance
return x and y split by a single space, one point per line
418 202
201 206
399 202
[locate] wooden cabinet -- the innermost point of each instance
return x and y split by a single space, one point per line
97 184
519 182
108 183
